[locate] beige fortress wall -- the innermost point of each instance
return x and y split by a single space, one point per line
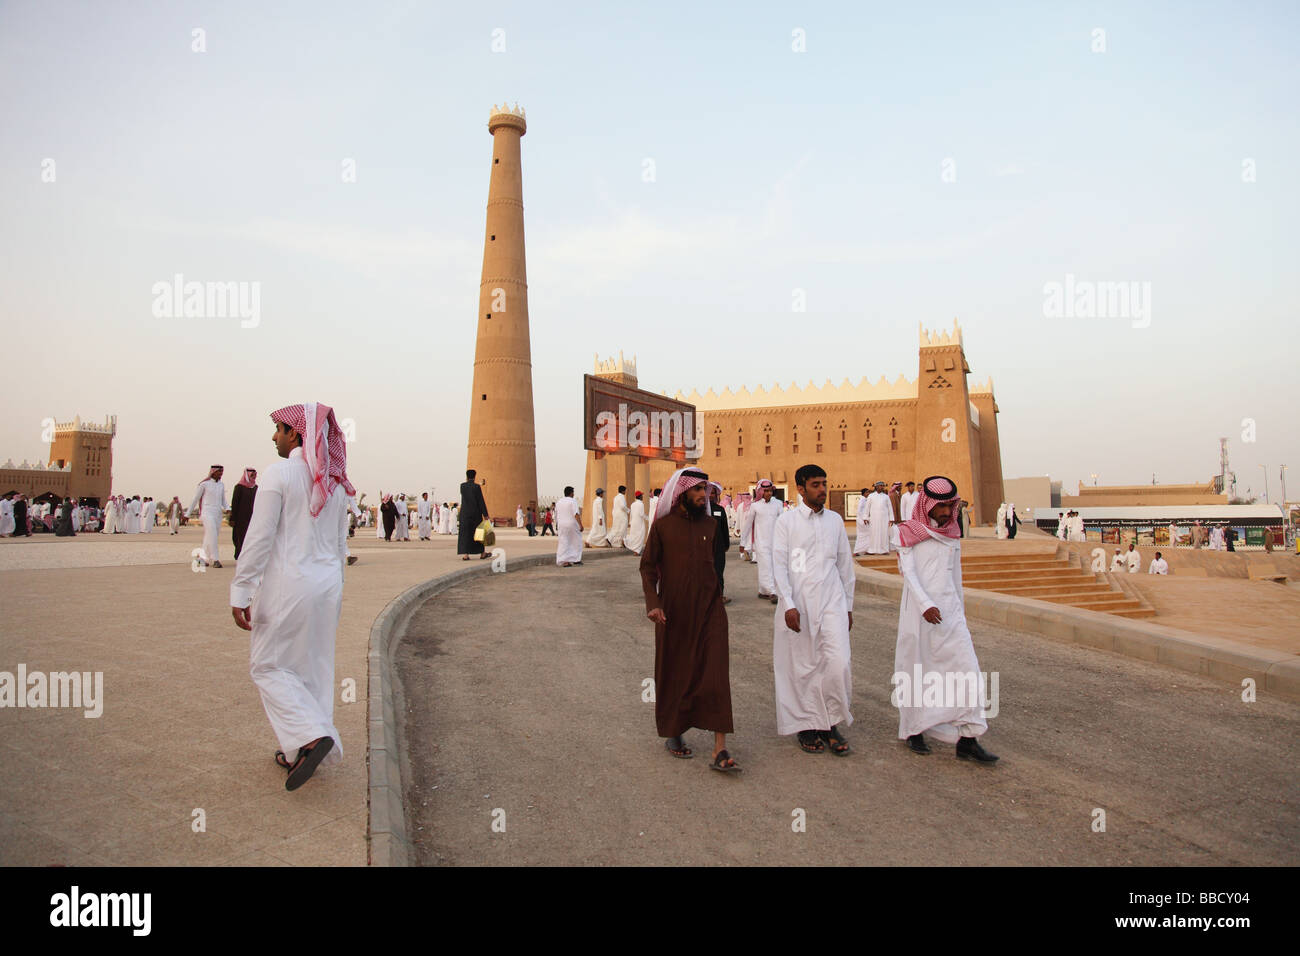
1031 493
502 445
889 431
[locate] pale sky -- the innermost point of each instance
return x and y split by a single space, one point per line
825 171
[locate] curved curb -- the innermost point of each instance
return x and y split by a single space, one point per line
1277 672
387 841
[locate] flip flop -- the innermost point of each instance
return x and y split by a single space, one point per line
810 742
720 763
282 761
681 750
307 762
836 742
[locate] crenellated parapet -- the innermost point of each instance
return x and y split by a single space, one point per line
77 425
616 366
827 394
937 339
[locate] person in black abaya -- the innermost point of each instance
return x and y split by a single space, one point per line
473 511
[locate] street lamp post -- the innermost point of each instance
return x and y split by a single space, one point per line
1265 467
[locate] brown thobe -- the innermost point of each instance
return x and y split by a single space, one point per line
692 685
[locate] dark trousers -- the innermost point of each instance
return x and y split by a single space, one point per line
532 530
546 528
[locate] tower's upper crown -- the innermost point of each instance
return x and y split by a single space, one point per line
936 338
503 115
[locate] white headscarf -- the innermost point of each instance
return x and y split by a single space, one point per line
682 479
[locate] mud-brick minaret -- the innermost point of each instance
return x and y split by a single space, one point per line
502 440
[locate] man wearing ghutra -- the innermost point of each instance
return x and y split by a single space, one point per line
934 644
241 508
292 569
684 599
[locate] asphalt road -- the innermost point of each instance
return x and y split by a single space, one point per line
528 742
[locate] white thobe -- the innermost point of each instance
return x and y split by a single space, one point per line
860 519
598 534
210 500
814 575
1117 563
78 518
763 528
1002 522
618 524
1134 560
1062 528
906 502
403 529
568 547
650 514
291 571
149 509
424 518
132 523
519 517
880 511
747 533
1158 566
1076 529
6 516
636 528
110 515
174 516
932 578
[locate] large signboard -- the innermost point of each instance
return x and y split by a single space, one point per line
621 420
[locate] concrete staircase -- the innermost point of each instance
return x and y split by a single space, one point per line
1044 576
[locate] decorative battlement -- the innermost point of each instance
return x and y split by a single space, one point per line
827 394
504 115
982 388
77 425
616 366
937 338
34 467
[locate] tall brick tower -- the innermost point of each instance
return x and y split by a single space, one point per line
502 439
87 448
947 434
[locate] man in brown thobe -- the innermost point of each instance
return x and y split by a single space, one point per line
684 599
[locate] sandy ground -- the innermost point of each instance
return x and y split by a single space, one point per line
524 697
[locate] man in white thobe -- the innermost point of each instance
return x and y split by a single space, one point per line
174 515
650 515
763 514
288 586
519 516
210 502
6 517
424 516
403 532
906 501
619 518
1001 529
1158 565
1117 563
568 530
935 651
880 514
1076 528
132 523
1062 527
1134 559
810 646
1173 535
598 537
637 526
148 515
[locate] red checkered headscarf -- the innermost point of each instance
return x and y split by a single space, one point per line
682 479
934 491
248 481
323 449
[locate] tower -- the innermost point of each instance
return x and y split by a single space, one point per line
502 440
947 422
86 448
